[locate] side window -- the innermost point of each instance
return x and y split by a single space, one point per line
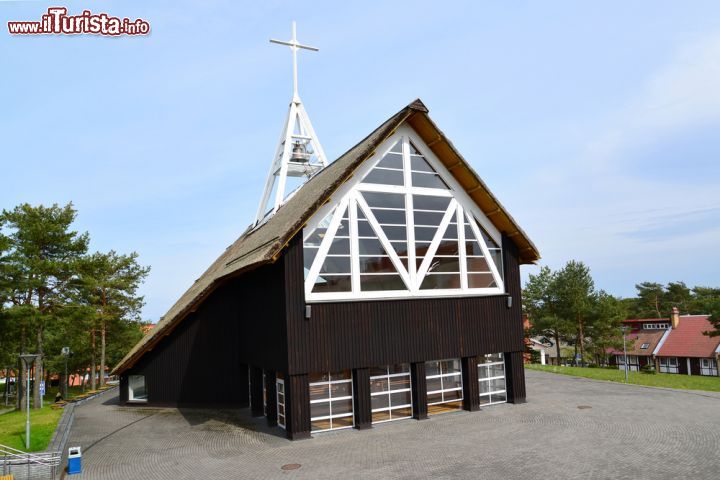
137 391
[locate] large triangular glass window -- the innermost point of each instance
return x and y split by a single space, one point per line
389 171
443 271
313 239
479 273
428 212
377 272
333 260
493 248
422 173
402 230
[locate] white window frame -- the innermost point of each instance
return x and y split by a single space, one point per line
708 366
387 376
347 198
131 392
442 390
280 385
330 400
668 367
490 393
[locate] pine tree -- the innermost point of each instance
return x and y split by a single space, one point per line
108 284
39 266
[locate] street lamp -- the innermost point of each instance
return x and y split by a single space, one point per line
624 329
28 359
65 352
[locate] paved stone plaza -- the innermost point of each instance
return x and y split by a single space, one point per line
629 432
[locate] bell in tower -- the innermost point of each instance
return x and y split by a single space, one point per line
299 153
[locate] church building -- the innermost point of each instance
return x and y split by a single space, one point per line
386 287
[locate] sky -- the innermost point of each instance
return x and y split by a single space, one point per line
595 123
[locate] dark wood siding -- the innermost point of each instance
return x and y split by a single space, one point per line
297 407
362 403
204 360
369 333
515 377
471 388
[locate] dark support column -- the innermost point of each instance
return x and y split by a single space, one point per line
123 388
471 390
361 394
244 381
271 398
256 391
297 407
515 377
419 390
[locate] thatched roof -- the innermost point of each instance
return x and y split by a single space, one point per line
265 244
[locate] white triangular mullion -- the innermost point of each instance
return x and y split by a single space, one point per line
461 247
409 212
486 252
451 210
325 246
354 244
389 249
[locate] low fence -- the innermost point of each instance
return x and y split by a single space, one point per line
27 466
50 463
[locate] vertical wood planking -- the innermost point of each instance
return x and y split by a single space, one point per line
256 391
361 398
471 389
418 383
271 398
297 408
356 334
202 361
515 377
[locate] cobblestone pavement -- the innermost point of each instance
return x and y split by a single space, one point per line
629 432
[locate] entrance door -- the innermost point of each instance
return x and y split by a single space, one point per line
331 401
444 385
491 378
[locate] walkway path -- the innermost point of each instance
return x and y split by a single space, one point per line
629 432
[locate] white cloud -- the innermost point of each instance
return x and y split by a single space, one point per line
605 212
683 93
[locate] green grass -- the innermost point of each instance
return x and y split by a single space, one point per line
42 423
667 380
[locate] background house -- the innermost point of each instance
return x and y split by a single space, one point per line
677 344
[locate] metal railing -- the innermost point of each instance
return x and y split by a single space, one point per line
27 466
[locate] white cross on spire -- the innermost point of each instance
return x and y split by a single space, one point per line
298 153
294 46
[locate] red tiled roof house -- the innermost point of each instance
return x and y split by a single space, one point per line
686 350
642 341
